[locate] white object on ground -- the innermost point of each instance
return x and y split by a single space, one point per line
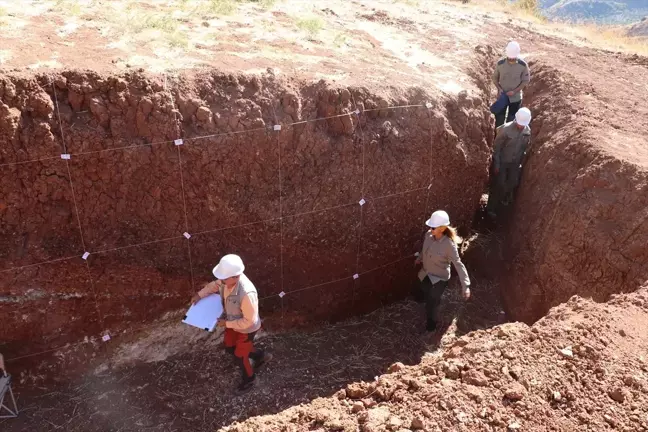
205 313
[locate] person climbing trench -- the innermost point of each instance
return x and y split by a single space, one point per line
509 154
511 75
240 316
439 250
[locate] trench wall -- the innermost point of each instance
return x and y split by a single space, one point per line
580 223
286 200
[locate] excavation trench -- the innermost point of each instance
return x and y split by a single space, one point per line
109 223
287 200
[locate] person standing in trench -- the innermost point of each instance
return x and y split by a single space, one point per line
439 250
240 316
511 75
509 154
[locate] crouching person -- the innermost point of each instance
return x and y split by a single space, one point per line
439 250
240 316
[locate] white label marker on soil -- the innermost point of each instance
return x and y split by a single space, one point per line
282 294
186 235
362 202
277 127
65 156
86 255
106 338
178 141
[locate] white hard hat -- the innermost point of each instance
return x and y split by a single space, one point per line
523 117
513 50
229 266
438 218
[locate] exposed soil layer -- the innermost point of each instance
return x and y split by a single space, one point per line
580 223
286 200
582 367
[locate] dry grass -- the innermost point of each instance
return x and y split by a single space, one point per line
311 26
613 38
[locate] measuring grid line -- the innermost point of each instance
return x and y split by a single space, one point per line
362 199
281 223
409 256
102 251
394 107
184 195
73 345
76 208
30 161
266 129
429 188
196 138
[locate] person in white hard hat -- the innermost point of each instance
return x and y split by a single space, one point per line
509 153
439 250
240 315
511 75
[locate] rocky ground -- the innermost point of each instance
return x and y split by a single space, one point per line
582 367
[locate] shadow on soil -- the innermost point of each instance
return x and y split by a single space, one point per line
194 389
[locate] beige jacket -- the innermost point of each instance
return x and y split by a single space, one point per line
436 256
512 77
242 313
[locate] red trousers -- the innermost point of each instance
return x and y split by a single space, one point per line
241 345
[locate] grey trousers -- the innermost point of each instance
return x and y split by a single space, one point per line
503 186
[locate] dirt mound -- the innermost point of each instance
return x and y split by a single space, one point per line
582 367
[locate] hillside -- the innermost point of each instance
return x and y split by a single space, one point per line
600 11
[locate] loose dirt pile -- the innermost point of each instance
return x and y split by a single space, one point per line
582 367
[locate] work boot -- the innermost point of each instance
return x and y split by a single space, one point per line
262 361
246 385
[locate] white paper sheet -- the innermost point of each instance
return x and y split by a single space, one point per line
205 313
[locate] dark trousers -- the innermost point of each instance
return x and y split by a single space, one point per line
500 117
433 294
503 186
242 347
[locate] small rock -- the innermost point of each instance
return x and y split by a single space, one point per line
417 423
515 392
514 426
622 332
368 402
204 114
376 419
396 367
609 419
631 381
451 371
508 354
341 394
357 407
567 352
474 377
556 396
357 390
395 422
618 394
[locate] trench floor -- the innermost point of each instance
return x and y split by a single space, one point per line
193 387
